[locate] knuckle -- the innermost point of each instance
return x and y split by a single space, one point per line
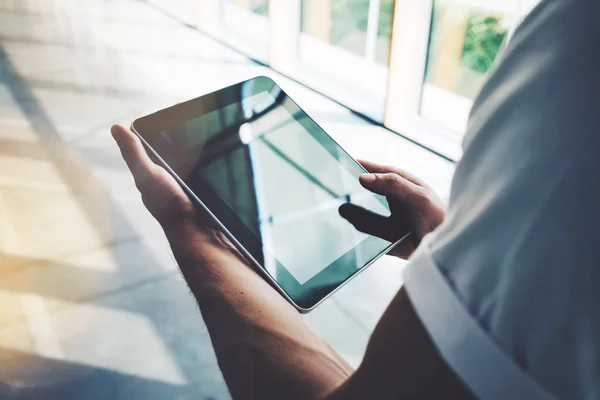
391 179
424 198
394 182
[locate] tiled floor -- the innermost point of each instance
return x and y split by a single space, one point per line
91 303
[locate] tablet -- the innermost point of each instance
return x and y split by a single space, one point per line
273 180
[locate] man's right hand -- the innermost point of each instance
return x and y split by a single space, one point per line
415 208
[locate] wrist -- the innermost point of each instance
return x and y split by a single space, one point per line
201 249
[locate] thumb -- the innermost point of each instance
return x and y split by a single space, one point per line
390 185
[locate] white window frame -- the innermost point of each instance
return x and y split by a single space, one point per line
412 103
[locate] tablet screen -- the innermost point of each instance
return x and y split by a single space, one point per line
257 158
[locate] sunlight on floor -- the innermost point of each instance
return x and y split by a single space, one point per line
92 304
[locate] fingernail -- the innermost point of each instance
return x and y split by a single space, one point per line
368 178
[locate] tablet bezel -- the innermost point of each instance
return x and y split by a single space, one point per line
304 297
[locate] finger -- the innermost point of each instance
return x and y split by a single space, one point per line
375 167
392 186
141 166
367 221
383 169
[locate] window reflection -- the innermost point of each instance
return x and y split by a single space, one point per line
465 42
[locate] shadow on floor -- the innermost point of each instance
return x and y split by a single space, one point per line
66 381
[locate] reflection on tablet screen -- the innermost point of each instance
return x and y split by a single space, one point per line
271 169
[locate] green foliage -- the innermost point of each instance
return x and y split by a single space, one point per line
484 37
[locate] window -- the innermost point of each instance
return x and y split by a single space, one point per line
343 48
361 27
463 45
414 65
451 46
465 41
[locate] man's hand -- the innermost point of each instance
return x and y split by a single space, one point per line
165 199
264 347
415 208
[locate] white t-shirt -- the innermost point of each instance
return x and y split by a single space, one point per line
509 285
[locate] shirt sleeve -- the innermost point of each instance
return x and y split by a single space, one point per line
466 347
508 287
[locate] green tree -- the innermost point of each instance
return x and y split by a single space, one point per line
484 37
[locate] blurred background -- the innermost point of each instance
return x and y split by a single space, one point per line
91 302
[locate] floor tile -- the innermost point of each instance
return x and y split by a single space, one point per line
148 342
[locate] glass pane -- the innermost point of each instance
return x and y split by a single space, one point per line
346 24
260 7
337 22
343 50
464 43
349 24
384 32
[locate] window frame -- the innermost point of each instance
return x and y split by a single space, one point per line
397 103
406 110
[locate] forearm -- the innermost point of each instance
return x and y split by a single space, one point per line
264 347
402 362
